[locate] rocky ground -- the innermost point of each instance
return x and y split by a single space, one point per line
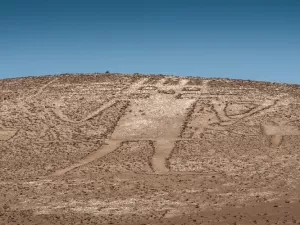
145 149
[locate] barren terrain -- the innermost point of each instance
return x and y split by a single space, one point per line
140 149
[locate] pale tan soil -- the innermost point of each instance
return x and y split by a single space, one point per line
133 149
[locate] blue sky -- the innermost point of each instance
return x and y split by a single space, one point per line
245 39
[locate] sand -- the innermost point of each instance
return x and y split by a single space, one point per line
145 149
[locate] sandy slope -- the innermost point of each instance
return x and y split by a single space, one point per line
132 149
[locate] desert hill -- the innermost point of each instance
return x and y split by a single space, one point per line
145 149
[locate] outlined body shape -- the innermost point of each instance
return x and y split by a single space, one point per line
158 118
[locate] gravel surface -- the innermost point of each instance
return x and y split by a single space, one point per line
144 149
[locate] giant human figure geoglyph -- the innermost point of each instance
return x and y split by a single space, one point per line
158 118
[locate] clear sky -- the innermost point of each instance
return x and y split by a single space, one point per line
246 39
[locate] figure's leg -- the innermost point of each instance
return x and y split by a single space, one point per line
163 149
110 146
